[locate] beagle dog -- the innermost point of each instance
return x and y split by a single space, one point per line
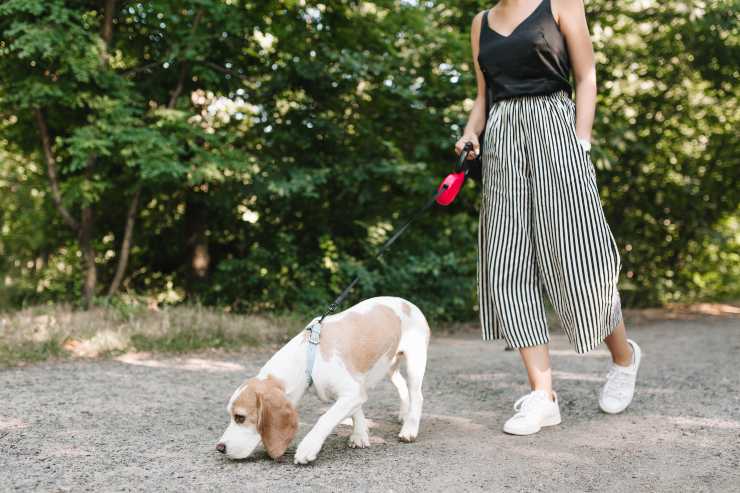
356 349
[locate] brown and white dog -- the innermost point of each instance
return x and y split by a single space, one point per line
357 348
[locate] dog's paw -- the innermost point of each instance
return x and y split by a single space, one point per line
307 451
408 433
406 437
359 440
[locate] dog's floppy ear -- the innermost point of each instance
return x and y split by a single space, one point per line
277 419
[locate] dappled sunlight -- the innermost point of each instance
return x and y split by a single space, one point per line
458 422
683 311
482 377
630 430
715 309
7 424
102 342
655 390
191 364
695 421
346 430
585 377
598 353
371 423
68 451
457 341
551 457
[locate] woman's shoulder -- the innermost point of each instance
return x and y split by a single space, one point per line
478 21
567 7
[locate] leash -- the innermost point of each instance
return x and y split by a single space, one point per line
453 182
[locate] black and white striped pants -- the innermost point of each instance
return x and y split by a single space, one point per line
542 225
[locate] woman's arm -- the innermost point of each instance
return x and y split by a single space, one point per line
477 116
571 16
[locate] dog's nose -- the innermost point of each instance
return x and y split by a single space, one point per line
221 447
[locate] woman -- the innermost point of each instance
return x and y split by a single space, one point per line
542 227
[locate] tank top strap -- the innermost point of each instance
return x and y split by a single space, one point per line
484 24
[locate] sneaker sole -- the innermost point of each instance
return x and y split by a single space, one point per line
552 421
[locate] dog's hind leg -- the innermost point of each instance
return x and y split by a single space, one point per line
403 389
360 438
416 361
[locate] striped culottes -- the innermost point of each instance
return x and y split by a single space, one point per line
542 227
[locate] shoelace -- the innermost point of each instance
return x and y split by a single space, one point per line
520 406
616 382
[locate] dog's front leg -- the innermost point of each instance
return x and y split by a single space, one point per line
360 438
312 442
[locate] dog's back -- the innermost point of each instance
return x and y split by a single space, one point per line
371 336
369 340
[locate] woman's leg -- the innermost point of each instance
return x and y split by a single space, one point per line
577 254
618 345
540 407
510 288
537 362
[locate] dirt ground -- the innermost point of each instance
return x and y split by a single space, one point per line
151 423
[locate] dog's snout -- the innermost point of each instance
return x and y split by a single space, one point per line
221 447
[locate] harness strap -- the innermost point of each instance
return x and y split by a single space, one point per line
313 342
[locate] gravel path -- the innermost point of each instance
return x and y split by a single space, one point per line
151 423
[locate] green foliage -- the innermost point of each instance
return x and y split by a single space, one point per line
276 144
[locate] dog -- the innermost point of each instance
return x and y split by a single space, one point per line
356 349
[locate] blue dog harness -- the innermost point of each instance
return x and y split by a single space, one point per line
313 342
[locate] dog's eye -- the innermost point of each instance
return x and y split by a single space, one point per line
239 418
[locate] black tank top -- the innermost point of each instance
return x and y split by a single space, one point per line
532 60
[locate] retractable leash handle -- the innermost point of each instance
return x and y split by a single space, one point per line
451 185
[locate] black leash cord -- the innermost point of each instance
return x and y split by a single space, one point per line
385 246
399 232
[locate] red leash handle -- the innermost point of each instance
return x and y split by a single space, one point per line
451 185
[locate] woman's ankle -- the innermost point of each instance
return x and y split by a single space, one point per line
626 361
547 390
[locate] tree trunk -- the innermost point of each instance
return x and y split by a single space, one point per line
84 227
126 243
51 171
106 31
196 223
88 256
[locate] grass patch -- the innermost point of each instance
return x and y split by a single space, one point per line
192 340
59 331
49 332
31 352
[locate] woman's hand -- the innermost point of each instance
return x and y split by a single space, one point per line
470 137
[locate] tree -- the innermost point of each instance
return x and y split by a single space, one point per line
264 150
91 87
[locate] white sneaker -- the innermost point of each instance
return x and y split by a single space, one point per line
534 411
619 388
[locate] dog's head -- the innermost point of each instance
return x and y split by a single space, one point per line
259 411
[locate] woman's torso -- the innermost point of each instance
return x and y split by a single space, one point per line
532 60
